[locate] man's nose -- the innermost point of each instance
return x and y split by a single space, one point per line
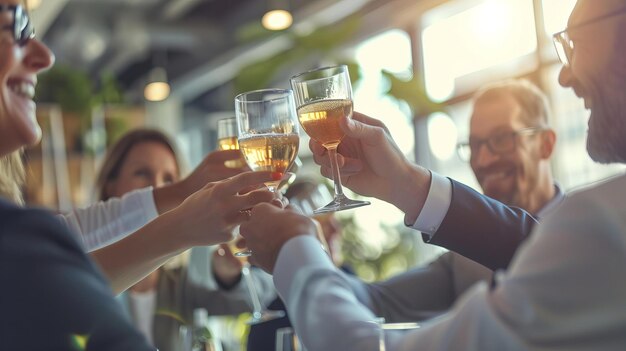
483 156
566 77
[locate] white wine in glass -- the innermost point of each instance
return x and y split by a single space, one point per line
227 140
270 152
324 97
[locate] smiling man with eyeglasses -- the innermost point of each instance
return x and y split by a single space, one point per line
510 144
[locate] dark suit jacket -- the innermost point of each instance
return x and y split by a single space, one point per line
52 297
482 229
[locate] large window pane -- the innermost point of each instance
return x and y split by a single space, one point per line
555 14
492 33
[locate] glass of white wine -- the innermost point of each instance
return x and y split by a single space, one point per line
227 139
323 97
268 133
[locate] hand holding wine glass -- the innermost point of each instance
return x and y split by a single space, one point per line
324 97
373 165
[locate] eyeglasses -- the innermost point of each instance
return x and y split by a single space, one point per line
499 144
21 28
565 46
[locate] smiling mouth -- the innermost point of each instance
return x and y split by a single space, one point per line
495 176
22 88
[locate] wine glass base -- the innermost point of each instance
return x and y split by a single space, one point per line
265 316
245 253
340 204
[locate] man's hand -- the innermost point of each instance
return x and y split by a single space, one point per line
371 164
269 228
211 169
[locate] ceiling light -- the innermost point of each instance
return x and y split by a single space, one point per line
278 16
157 89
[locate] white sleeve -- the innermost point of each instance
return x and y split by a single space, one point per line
565 291
106 222
436 205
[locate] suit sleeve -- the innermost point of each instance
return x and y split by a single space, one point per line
482 229
418 294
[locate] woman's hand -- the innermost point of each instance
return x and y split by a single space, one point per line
209 215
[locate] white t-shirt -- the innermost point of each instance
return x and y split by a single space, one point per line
142 307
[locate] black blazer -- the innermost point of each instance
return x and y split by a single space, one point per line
481 228
52 297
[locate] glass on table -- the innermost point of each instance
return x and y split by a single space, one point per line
324 96
387 328
287 340
227 140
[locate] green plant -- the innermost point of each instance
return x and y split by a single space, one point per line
75 91
412 92
322 43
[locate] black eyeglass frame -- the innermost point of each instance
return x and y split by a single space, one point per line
21 28
464 150
564 46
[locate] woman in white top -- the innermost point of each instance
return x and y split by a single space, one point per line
166 298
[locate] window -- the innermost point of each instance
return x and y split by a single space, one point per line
489 34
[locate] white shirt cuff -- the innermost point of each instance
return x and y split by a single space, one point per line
297 253
436 205
146 198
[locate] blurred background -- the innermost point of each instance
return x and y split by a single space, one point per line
177 65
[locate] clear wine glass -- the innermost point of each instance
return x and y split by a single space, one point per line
268 137
259 312
227 139
268 131
287 340
323 97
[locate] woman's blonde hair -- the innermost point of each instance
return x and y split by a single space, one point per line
12 177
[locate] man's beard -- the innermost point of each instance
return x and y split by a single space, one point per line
606 142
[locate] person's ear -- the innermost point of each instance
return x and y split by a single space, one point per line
548 142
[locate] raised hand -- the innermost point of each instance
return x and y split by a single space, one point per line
371 164
269 228
208 216
211 169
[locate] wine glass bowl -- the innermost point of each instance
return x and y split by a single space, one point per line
323 97
227 140
268 131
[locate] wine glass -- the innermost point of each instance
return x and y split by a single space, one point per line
227 139
388 328
267 133
323 97
287 340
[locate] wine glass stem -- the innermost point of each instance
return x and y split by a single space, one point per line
332 153
254 296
